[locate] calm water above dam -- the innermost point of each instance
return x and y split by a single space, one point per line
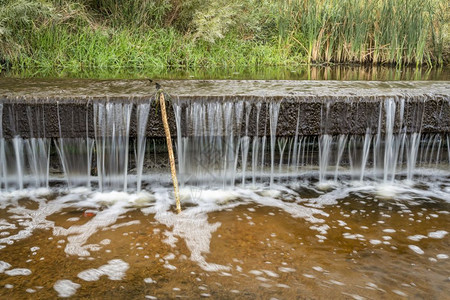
321 190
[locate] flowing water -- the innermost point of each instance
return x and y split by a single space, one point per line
265 215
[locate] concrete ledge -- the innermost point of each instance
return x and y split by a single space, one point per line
37 107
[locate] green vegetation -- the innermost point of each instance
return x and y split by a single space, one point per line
76 35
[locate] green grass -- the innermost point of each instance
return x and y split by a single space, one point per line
73 36
56 48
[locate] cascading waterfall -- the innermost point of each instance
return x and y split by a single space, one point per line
76 160
341 147
365 154
142 118
295 153
448 148
38 151
219 144
394 151
245 141
112 126
24 162
324 155
274 109
256 142
211 153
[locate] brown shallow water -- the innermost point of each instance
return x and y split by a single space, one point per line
262 244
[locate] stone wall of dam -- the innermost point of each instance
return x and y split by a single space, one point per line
81 108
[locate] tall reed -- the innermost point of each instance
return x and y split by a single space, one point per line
371 31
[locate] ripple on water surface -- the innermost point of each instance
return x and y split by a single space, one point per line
346 241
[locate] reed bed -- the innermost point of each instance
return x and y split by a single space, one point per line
371 31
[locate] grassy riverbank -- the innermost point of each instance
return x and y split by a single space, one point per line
76 35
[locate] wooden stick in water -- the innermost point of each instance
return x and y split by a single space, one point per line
170 150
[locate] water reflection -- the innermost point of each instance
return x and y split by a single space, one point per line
300 72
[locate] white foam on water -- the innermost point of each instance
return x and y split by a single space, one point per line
90 275
169 256
440 234
138 199
216 196
321 237
318 269
30 291
31 219
387 191
356 236
336 282
79 234
260 278
389 230
373 286
341 223
416 237
197 233
271 193
149 280
375 242
4 266
416 249
286 270
354 296
400 293
115 269
442 256
18 272
105 242
271 274
191 224
326 185
169 266
65 288
9 286
126 224
323 229
6 196
255 272
5 225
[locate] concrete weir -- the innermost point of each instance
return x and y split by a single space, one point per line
107 134
65 108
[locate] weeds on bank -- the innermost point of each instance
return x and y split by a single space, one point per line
75 35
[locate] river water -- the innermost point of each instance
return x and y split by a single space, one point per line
291 241
265 214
